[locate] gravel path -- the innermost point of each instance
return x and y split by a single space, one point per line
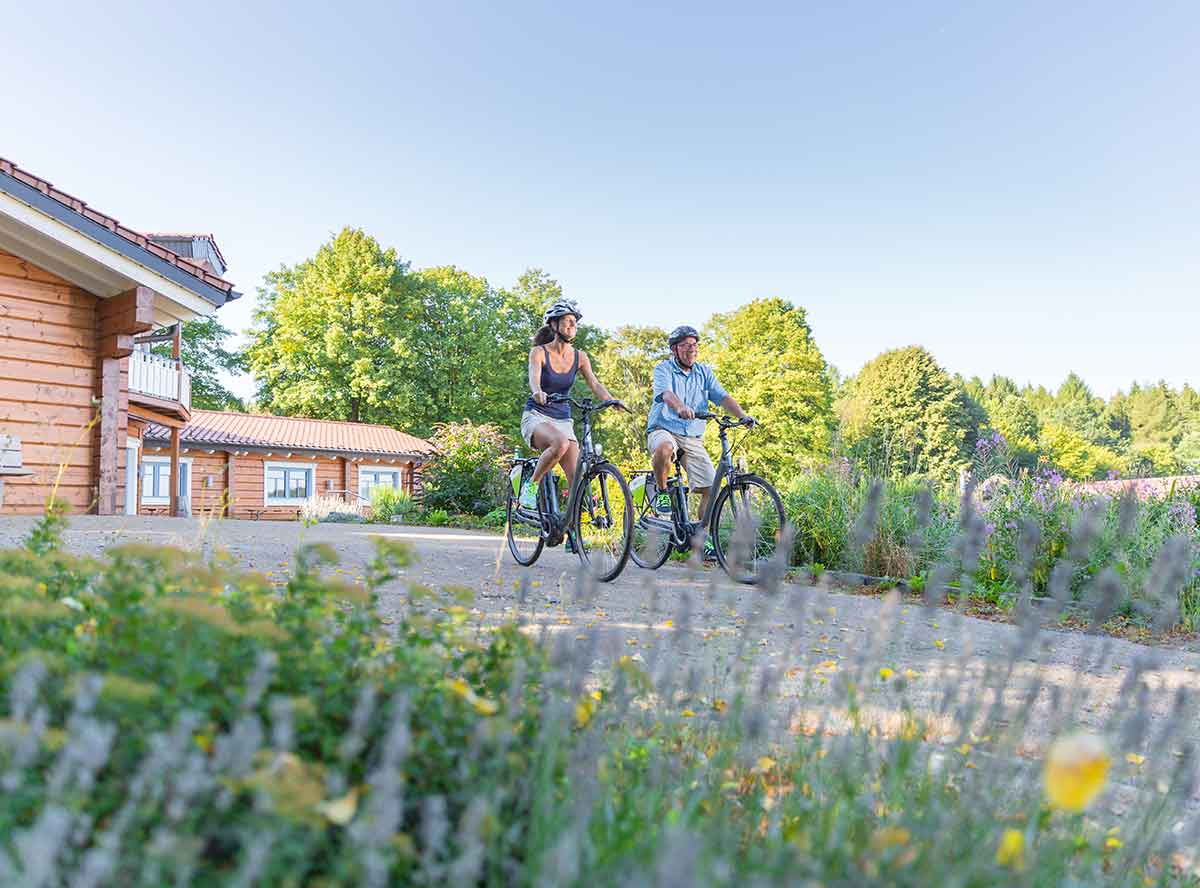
805 637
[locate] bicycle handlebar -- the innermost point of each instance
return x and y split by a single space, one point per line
727 423
587 405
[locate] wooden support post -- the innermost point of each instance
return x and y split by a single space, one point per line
346 479
173 493
109 451
230 482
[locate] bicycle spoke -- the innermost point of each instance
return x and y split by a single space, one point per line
605 523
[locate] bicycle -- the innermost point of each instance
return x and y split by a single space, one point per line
745 518
597 518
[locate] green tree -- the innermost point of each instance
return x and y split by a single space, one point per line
626 363
328 337
1076 456
1077 409
764 355
1154 417
203 352
906 417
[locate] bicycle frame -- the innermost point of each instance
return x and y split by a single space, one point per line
552 521
682 532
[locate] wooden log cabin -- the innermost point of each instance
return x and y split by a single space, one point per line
243 465
89 415
76 288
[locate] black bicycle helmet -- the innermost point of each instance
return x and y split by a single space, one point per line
561 308
680 333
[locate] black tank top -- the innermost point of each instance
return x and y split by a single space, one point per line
554 383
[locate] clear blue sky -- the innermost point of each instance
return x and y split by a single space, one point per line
1013 185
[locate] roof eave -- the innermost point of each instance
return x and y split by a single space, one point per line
95 231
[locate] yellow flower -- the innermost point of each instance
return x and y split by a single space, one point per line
583 712
828 665
964 749
1112 842
1011 851
1134 759
687 713
766 763
909 674
340 811
719 705
889 837
885 673
1076 768
939 644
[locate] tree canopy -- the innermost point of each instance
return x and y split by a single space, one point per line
906 417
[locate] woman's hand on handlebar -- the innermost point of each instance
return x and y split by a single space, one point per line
540 398
620 405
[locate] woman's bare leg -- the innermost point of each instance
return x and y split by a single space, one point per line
554 446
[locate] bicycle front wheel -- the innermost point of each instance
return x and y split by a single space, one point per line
747 527
651 545
603 522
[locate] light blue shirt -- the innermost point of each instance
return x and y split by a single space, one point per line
695 388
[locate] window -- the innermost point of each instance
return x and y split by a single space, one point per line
156 479
369 479
288 482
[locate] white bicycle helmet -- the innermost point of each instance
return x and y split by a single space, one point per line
561 308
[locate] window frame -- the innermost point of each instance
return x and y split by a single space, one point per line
286 465
396 472
151 500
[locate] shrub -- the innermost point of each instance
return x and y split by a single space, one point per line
387 502
467 475
330 509
437 518
165 720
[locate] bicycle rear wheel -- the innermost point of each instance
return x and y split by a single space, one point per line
603 522
747 527
524 541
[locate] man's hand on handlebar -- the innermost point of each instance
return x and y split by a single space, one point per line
686 412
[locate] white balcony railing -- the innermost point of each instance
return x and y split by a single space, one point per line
160 378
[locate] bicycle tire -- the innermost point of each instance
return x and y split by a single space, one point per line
525 560
607 572
723 541
643 557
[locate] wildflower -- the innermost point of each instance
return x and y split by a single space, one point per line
1076 768
1113 842
687 713
890 837
719 705
340 811
965 749
584 710
885 673
1134 759
940 644
1011 852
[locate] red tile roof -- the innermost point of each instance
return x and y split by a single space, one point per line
73 203
226 429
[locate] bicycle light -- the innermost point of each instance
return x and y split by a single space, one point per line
599 449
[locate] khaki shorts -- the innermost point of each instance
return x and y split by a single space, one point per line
531 419
696 461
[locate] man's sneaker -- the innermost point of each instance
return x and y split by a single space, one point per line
710 552
662 505
528 498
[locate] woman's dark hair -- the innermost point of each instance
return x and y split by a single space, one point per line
545 334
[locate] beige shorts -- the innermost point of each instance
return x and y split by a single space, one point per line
531 419
696 461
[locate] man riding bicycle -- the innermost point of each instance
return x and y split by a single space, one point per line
683 388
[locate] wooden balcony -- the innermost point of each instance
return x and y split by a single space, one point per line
161 384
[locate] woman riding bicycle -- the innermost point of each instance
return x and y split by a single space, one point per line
553 365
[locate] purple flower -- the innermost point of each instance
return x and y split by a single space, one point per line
1011 525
